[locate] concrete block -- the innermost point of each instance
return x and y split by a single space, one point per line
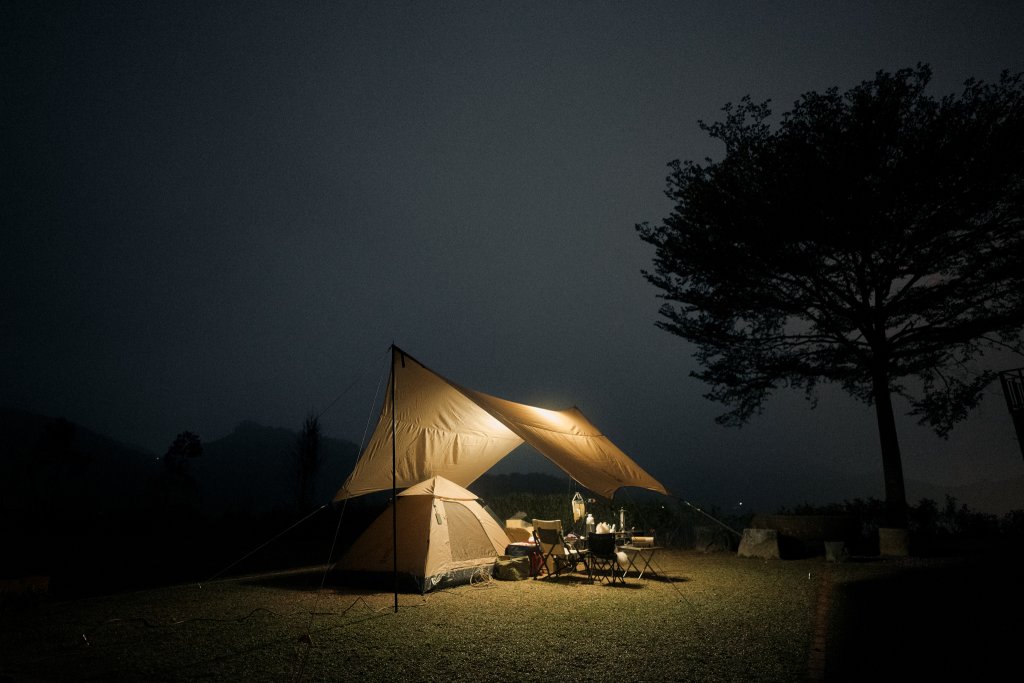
893 542
763 543
836 551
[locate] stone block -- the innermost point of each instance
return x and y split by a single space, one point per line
893 542
836 551
763 543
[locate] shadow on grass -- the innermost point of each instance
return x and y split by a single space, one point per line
304 579
956 622
312 579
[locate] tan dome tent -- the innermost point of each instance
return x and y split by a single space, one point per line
446 537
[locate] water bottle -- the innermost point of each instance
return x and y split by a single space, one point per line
590 524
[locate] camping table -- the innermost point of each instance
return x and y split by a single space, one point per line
640 559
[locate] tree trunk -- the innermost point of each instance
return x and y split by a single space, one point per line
892 461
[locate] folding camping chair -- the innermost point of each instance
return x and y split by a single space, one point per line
557 557
604 559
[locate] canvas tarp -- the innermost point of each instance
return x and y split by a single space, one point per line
445 537
443 429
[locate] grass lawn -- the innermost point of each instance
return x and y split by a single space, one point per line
711 617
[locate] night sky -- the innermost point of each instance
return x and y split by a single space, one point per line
217 212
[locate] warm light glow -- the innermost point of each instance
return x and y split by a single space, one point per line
555 420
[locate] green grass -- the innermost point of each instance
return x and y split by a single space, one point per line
719 618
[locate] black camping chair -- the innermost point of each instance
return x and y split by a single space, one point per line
604 560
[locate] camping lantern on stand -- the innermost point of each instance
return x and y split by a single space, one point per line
623 537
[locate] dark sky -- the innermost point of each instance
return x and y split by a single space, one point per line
215 212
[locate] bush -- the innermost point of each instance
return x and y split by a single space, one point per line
934 530
672 522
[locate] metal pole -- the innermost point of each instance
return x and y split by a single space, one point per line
1013 392
394 485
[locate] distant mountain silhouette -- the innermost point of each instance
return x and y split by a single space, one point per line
251 470
49 463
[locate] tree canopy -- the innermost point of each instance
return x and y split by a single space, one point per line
308 461
872 238
185 446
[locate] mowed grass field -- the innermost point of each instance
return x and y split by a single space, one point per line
707 617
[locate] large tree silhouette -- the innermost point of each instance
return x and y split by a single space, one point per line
184 447
872 238
179 489
308 461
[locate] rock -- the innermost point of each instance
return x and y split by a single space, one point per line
836 551
763 543
893 542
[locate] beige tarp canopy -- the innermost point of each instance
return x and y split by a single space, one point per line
442 429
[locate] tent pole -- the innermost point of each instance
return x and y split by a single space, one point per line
394 487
